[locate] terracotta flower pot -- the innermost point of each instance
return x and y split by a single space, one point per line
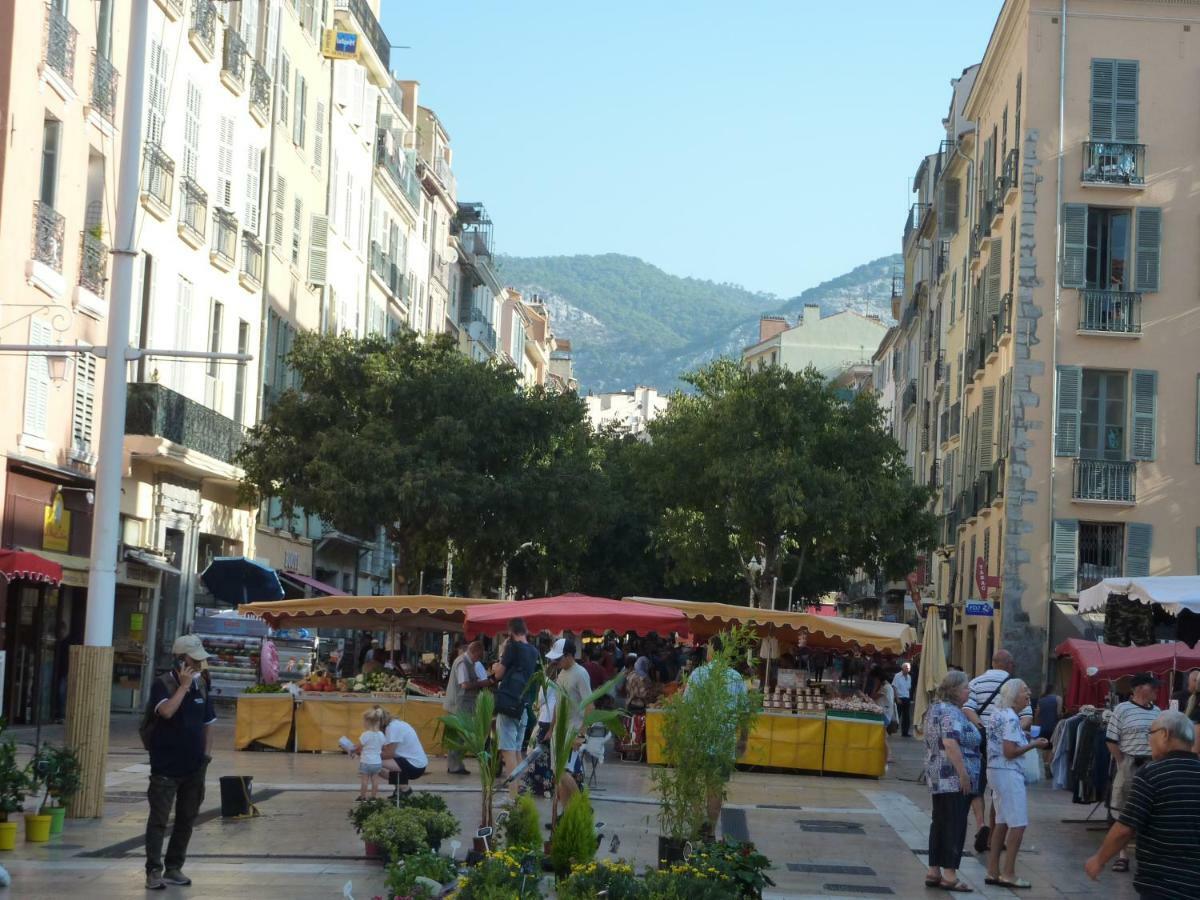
372 850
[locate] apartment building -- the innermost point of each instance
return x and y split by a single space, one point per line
560 376
436 303
828 343
478 290
628 412
1067 417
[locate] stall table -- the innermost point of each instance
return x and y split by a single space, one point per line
265 719
854 743
323 718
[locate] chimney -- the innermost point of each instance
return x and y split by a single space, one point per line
812 312
769 326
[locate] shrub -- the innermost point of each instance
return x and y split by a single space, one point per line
364 810
503 875
14 780
438 825
402 876
424 800
574 841
397 832
522 829
685 882
736 862
616 879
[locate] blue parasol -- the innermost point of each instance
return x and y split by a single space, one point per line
236 580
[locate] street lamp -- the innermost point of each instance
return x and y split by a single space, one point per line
755 567
504 568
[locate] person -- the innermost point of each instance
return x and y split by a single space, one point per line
978 709
1191 683
370 752
1162 808
952 765
180 745
902 685
1128 739
402 752
886 698
637 683
1005 745
1049 711
467 679
370 645
816 665
575 685
517 664
591 663
1192 710
62 660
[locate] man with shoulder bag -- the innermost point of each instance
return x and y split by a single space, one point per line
516 666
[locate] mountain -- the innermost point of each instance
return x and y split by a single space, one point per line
632 323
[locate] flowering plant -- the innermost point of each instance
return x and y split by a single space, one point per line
502 875
734 862
614 880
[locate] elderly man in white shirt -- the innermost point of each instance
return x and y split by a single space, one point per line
902 685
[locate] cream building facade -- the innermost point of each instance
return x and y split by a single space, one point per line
828 343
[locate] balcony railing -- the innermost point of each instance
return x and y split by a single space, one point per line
1102 479
955 419
370 26
193 208
998 476
916 217
944 426
1010 171
260 89
1110 312
48 234
400 166
93 263
160 412
479 327
934 473
909 400
158 175
1114 162
976 241
104 86
987 211
233 58
1006 314
225 236
59 50
386 270
942 262
939 367
252 257
203 29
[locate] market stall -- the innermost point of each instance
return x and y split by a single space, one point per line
577 612
1094 667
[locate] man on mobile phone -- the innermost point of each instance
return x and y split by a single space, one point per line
180 743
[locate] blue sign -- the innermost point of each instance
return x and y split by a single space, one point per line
979 608
347 42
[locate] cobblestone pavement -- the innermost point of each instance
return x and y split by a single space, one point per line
826 836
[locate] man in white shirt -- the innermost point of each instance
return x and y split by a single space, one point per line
467 678
902 685
1128 739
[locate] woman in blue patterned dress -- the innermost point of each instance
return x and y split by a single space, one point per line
952 769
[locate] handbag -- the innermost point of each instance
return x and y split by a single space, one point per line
1031 766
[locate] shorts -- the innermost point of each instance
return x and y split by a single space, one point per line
510 732
1123 782
365 768
1008 789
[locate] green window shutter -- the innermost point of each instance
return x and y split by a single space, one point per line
1145 414
1149 243
992 297
948 214
1139 537
1070 402
1074 249
1125 101
1064 566
1104 78
987 427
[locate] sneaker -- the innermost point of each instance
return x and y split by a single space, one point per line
174 876
154 882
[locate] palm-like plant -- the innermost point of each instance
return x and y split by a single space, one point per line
468 733
562 736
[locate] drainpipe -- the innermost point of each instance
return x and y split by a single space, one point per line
270 208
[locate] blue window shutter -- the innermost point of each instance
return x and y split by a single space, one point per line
1064 567
1149 248
1145 414
1074 248
1139 537
1104 77
1070 403
1125 101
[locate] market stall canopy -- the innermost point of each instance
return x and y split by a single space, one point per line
371 613
236 579
1174 593
1095 666
21 565
578 613
827 632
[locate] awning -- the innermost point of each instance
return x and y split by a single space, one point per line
578 613
1095 666
236 579
74 568
18 565
147 558
373 613
306 583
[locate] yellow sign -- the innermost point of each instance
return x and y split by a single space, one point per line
56 527
136 624
339 44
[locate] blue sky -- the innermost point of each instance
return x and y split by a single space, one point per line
768 144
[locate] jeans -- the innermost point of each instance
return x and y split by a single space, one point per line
186 794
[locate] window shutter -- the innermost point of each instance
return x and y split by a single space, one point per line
225 163
1145 414
1064 567
1125 100
297 228
1139 537
37 380
285 86
1005 413
948 214
1104 76
280 206
254 158
1074 250
1198 419
298 117
157 113
319 136
272 34
987 428
191 130
318 248
250 27
84 409
992 297
1070 401
1149 242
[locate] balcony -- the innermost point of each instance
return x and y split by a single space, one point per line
48 235
1105 481
1110 312
58 52
916 218
233 61
104 87
944 426
997 481
93 263
250 275
193 212
955 419
976 243
939 368
988 210
1114 164
202 31
478 327
225 238
157 411
400 166
260 93
173 9
934 482
1010 173
909 400
370 27
1006 314
158 180
386 270
941 264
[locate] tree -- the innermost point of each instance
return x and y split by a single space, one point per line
774 464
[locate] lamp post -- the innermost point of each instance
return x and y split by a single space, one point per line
504 568
754 568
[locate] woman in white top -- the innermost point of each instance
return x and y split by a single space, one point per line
403 754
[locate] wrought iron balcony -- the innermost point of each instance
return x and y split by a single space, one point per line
93 263
203 29
999 472
1006 314
59 50
400 166
983 492
935 471
916 218
233 59
370 27
939 367
1114 162
479 328
225 236
955 419
1011 170
158 176
976 241
252 258
944 426
160 412
386 270
987 211
909 400
1103 479
941 263
1110 312
104 86
193 209
260 90
48 234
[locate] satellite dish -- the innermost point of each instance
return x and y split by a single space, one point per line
451 255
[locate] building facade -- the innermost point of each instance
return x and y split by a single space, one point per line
829 344
628 412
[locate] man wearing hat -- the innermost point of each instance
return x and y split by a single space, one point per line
575 684
180 743
1128 739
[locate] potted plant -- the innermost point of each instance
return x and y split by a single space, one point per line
359 815
574 842
60 770
563 737
37 824
396 832
416 874
522 829
468 733
14 782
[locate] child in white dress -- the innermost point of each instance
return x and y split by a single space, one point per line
370 751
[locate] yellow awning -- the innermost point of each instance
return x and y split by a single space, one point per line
417 611
830 631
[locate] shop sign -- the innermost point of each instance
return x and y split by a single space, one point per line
983 580
339 44
979 608
56 527
137 575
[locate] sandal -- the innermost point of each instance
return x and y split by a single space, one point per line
958 887
932 881
1017 884
1121 865
359 799
992 879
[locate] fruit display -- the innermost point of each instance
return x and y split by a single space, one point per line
264 689
855 704
423 687
381 683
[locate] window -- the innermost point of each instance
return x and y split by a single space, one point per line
183 334
1102 419
1096 251
285 83
239 381
279 212
297 227
1108 249
1114 102
156 115
254 162
299 122
37 380
191 131
104 29
225 163
51 141
1101 547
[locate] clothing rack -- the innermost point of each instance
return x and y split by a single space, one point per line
1067 732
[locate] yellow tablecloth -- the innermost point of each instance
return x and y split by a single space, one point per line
780 741
320 722
265 718
854 746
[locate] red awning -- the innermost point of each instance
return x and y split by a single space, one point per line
305 581
21 565
1111 663
578 613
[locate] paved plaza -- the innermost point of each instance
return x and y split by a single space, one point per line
825 836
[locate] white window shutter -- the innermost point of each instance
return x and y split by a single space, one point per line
183 334
297 228
318 249
37 380
192 126
319 135
225 163
278 214
298 113
334 194
285 86
84 411
250 26
157 92
254 158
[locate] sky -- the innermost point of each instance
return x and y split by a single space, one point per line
767 144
